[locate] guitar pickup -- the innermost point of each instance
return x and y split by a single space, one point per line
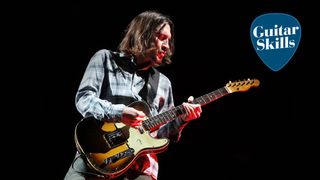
117 137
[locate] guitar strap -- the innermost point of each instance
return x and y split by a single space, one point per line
149 90
151 86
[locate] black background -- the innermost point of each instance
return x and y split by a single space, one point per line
264 133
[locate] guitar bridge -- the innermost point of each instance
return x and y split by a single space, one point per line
116 157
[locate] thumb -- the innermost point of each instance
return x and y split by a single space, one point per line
190 99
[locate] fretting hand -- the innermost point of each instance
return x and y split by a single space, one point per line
193 111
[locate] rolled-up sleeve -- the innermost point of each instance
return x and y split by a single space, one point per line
87 98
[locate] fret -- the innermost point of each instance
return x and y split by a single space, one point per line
212 96
202 100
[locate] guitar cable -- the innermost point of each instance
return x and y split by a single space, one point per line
86 172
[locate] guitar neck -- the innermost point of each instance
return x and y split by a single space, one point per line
212 96
155 121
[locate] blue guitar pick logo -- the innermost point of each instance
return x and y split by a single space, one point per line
275 38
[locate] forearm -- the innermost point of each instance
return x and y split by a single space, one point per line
89 105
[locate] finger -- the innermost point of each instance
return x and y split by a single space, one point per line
136 124
139 119
199 109
186 108
195 111
140 114
198 114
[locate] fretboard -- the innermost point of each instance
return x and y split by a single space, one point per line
155 121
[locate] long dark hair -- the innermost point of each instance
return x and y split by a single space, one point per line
141 32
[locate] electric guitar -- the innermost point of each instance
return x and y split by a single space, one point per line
111 148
